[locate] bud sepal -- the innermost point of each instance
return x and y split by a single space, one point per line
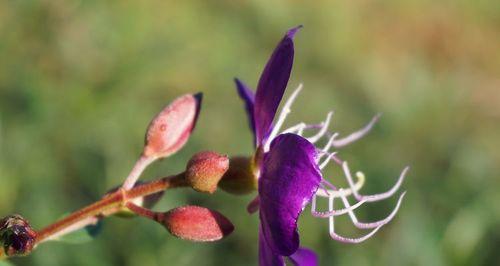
241 177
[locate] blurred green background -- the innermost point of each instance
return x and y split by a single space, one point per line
80 80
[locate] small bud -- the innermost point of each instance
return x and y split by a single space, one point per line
240 178
205 169
171 128
196 223
16 235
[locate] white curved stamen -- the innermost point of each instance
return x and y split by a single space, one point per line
375 197
362 225
326 189
300 127
333 157
322 186
330 207
323 129
337 143
325 162
356 135
327 146
324 181
300 131
342 239
295 128
343 192
348 240
283 114
332 212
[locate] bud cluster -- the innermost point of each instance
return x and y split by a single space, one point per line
166 134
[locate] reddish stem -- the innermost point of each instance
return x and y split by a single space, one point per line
108 205
141 211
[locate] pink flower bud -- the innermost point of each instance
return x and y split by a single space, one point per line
196 223
171 128
16 235
205 169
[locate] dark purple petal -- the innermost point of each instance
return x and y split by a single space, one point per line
304 257
247 95
289 178
272 85
266 256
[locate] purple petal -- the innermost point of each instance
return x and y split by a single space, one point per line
247 95
272 85
304 257
289 178
266 256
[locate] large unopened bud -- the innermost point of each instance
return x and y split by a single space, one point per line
196 223
205 169
171 128
240 178
16 235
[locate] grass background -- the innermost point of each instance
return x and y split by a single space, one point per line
80 80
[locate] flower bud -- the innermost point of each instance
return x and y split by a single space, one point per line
196 223
240 178
205 169
171 128
16 235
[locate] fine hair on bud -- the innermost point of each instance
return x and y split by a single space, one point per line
205 169
171 128
196 223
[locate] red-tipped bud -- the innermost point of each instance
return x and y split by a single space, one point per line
240 178
16 235
205 169
197 224
171 128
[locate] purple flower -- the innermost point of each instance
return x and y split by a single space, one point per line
289 166
289 178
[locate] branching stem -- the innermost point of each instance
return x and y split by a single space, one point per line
108 205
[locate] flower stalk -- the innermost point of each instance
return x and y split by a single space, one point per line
109 205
